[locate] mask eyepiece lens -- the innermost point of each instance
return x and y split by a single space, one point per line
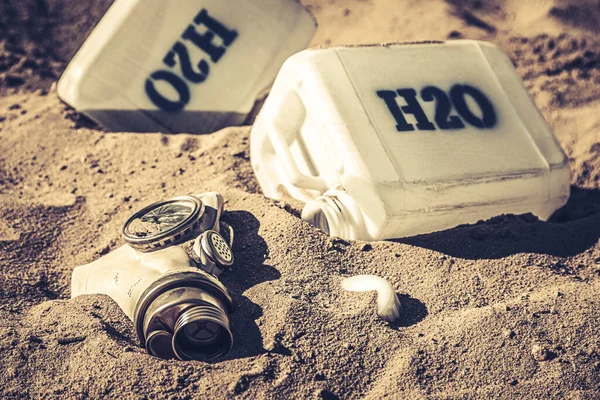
164 224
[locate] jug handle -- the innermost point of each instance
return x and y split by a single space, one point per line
284 155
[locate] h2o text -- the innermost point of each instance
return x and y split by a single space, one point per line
445 105
179 56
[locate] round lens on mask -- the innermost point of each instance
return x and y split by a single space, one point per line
164 223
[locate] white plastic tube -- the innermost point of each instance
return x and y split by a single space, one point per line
388 305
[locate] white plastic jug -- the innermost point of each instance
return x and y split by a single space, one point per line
390 141
191 66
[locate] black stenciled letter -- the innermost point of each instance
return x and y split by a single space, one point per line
413 107
185 62
217 27
389 96
205 41
161 101
488 119
443 108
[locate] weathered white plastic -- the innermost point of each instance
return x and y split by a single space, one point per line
332 133
388 305
216 58
124 274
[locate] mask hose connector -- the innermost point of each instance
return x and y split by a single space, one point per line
202 333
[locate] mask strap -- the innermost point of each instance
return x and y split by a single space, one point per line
231 233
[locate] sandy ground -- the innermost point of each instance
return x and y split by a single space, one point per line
507 308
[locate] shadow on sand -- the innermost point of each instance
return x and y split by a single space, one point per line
413 311
250 252
570 231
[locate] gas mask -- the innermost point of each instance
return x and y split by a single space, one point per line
165 278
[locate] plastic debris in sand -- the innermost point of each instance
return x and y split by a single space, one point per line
388 305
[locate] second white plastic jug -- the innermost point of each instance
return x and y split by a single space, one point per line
192 66
397 140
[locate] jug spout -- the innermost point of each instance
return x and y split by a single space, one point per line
337 214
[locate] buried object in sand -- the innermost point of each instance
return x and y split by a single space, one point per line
179 307
388 305
388 141
193 66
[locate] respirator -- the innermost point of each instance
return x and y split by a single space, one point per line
166 277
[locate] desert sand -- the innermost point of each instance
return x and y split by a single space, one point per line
507 308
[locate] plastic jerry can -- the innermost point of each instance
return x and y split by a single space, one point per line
191 66
388 141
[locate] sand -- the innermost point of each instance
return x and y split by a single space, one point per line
506 308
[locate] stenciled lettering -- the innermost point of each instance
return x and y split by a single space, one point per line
458 93
413 107
389 96
176 82
444 105
185 63
205 41
179 57
443 108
